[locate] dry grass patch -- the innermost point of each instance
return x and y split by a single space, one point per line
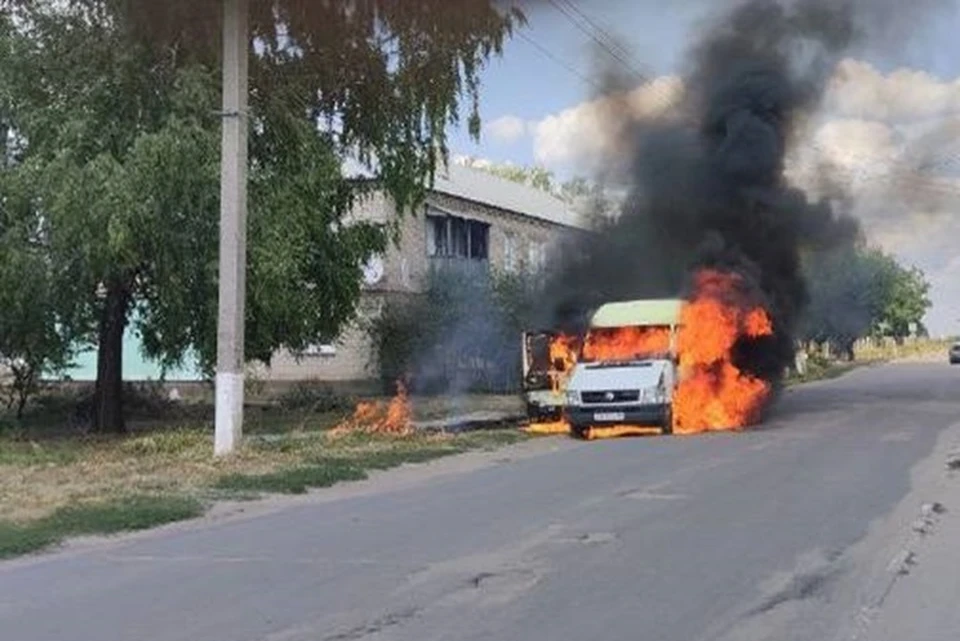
37 478
911 349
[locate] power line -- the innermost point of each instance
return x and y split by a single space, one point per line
608 43
606 35
599 35
559 61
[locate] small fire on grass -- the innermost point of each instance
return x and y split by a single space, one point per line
714 394
619 431
394 418
550 427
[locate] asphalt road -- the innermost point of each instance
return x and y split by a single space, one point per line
673 539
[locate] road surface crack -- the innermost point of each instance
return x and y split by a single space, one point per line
367 629
800 588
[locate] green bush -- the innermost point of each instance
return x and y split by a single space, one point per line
315 397
462 335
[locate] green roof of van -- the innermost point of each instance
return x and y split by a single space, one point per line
643 313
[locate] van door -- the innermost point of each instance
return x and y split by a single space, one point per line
536 360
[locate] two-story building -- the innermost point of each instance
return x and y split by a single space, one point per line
470 220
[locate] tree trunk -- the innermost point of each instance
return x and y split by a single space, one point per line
108 394
23 383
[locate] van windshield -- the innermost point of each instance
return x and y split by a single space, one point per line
625 344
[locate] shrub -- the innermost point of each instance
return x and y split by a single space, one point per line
315 397
461 335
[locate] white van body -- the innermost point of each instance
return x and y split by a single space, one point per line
627 391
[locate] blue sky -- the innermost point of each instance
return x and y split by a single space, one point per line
542 70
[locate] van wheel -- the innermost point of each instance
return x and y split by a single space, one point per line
668 421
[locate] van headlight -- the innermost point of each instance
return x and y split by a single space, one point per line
573 397
654 396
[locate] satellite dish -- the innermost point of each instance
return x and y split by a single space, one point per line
373 271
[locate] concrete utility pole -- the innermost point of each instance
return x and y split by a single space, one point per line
233 228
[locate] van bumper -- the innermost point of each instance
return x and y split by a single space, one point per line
543 412
581 417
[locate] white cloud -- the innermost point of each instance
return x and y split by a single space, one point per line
471 161
507 129
858 90
866 117
590 131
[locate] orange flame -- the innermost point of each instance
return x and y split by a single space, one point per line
626 343
563 351
553 427
713 394
563 356
619 431
396 419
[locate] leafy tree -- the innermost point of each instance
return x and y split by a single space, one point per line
848 291
907 302
116 102
33 338
856 292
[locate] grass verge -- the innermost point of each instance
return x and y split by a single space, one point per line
827 371
328 471
138 512
60 488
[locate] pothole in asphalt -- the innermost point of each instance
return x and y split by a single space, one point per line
641 494
506 580
597 538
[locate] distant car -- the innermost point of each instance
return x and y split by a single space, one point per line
955 353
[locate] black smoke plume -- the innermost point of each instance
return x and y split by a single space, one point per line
707 185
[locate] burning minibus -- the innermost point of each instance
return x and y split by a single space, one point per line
626 369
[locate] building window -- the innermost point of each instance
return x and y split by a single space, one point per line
453 237
536 255
510 253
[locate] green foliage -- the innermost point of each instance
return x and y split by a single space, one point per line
315 397
460 336
126 514
112 105
28 453
296 480
328 471
33 335
907 303
857 292
390 75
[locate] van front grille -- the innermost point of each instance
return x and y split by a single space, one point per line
611 396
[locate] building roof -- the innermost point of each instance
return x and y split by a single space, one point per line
642 313
487 189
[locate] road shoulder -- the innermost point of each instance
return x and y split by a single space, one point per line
922 603
906 585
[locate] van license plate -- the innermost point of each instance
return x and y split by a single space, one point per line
609 417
